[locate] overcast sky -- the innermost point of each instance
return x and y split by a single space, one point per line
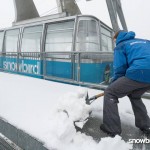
136 13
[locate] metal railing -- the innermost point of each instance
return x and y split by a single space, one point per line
62 66
79 62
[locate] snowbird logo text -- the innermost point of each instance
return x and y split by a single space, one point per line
23 67
131 141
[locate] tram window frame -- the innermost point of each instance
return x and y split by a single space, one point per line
29 30
63 27
11 32
89 39
105 33
1 41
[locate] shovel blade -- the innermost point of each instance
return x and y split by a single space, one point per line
87 100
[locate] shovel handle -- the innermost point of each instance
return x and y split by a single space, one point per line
96 96
90 100
99 95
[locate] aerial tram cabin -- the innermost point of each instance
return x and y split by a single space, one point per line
74 49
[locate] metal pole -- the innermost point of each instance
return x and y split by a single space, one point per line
112 13
60 6
78 67
121 15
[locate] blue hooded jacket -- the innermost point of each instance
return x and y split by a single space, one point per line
132 57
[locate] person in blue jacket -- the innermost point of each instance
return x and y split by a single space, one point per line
131 78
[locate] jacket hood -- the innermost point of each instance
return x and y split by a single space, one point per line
123 35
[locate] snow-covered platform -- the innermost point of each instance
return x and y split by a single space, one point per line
91 128
39 115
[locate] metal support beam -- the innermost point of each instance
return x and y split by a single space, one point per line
68 6
24 9
121 15
115 8
59 6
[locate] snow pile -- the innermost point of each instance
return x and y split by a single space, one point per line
83 142
114 144
74 105
71 107
60 130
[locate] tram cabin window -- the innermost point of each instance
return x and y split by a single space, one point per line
106 40
1 40
87 36
59 37
11 40
31 40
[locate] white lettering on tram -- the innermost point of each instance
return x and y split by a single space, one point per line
23 67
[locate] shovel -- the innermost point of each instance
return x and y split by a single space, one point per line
92 99
88 102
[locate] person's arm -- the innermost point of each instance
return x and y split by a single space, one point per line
120 63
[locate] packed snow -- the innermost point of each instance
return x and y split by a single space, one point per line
47 110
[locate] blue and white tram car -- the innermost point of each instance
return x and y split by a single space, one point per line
75 49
